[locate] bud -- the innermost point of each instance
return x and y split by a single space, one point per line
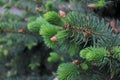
62 13
116 30
112 23
37 9
54 38
70 7
94 64
86 34
26 19
55 78
112 75
92 6
75 61
22 29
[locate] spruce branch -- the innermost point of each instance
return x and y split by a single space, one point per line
90 31
18 32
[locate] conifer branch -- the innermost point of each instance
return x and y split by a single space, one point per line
18 32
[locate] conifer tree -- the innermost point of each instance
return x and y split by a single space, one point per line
78 35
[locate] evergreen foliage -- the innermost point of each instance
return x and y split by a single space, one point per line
40 37
48 31
100 4
49 5
67 71
53 18
54 57
79 32
34 26
93 54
